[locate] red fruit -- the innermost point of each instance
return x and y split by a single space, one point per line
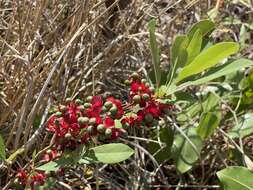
109 122
22 176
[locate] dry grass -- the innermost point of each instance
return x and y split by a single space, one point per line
50 50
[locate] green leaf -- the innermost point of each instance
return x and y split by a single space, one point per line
155 51
210 103
50 166
14 155
2 149
244 127
236 178
208 123
194 46
243 36
67 159
110 153
215 73
162 153
184 154
208 58
205 26
180 43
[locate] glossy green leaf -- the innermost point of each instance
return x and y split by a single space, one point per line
184 154
110 153
208 123
244 127
236 178
208 58
215 73
155 51
194 46
2 149
205 26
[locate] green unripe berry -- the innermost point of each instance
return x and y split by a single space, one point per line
63 108
81 108
68 100
101 128
104 109
145 96
127 82
48 151
126 125
152 89
90 129
108 104
78 102
16 181
143 80
92 121
87 105
108 132
68 136
135 75
88 98
136 99
117 96
57 122
148 118
58 114
83 120
147 84
113 110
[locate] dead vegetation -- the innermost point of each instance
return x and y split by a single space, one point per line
50 50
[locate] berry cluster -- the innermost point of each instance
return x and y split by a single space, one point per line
32 180
78 122
149 108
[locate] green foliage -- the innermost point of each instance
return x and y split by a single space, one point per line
184 154
214 74
51 166
236 178
155 51
178 50
205 26
244 127
208 58
2 149
194 46
208 123
166 136
110 153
